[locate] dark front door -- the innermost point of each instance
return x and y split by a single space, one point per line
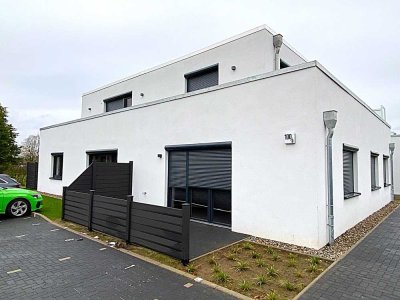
202 177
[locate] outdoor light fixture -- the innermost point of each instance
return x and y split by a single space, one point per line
330 120
159 155
141 94
89 108
233 68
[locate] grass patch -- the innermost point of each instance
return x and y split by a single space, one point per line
51 208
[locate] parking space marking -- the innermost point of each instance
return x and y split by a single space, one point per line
128 267
14 271
188 285
35 224
102 249
55 229
64 258
20 236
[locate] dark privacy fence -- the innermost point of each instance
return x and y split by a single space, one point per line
163 229
32 175
108 179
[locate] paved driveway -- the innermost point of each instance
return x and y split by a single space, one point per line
370 271
37 263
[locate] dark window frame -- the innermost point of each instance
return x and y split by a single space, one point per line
200 72
101 152
374 171
386 176
126 97
353 193
57 165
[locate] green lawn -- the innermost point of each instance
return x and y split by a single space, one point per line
51 208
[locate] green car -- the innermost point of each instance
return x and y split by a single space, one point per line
19 202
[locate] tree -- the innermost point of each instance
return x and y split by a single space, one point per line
9 149
30 148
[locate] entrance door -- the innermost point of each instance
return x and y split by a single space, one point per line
202 177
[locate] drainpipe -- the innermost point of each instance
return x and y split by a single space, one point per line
391 151
277 39
330 119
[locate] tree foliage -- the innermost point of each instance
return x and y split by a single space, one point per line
9 149
30 148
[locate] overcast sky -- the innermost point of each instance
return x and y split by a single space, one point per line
53 51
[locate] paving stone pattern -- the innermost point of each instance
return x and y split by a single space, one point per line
370 271
89 273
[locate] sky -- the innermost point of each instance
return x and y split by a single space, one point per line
51 52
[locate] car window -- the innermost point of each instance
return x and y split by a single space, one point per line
2 181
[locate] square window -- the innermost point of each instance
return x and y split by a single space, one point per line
118 102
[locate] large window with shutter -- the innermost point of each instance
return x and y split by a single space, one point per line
374 172
201 177
202 79
350 172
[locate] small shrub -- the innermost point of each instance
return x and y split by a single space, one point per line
255 254
275 256
272 272
231 256
216 268
261 279
269 250
292 262
191 268
260 263
272 295
236 249
242 266
248 246
298 274
245 286
292 256
312 268
315 260
212 260
288 285
221 277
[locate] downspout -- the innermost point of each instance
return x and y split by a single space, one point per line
330 119
391 151
277 40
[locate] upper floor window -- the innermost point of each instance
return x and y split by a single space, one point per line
374 172
283 64
118 102
57 165
386 181
202 79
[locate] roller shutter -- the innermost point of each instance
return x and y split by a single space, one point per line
202 79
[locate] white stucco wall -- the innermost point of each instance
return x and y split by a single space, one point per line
396 164
278 190
252 53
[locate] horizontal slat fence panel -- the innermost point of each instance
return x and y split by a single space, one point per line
162 229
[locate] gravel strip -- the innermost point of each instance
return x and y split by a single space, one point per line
343 242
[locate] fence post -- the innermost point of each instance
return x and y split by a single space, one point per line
185 233
64 194
129 200
130 177
90 214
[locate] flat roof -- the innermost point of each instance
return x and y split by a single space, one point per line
312 64
213 46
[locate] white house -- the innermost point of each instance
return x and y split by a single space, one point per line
236 129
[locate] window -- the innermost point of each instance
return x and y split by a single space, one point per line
57 165
202 79
282 64
386 171
350 172
103 156
118 102
374 172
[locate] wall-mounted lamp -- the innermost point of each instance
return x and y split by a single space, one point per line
141 95
233 68
159 155
89 108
